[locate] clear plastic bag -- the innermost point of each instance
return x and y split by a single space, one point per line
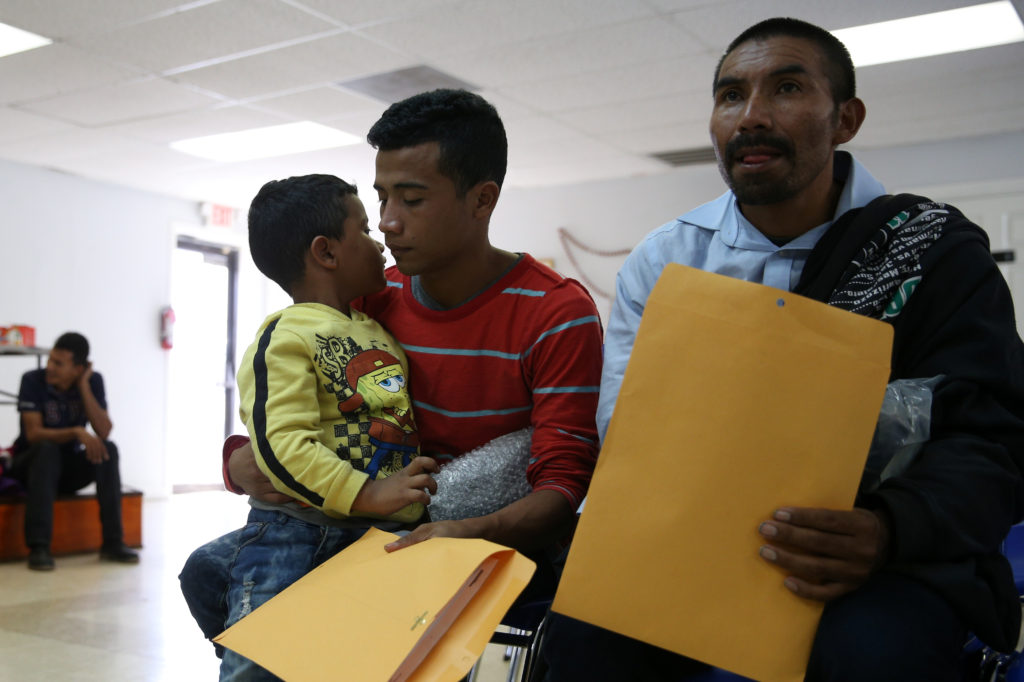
904 426
483 480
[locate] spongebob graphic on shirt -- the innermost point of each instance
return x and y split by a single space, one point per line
378 432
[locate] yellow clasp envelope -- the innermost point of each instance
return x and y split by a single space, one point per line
738 399
423 613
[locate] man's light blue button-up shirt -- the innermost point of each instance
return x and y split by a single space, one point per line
716 238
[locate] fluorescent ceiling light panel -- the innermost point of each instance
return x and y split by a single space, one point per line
261 143
14 40
955 30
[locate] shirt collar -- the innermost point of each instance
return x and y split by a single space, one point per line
724 215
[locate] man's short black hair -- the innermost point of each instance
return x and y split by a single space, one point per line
836 58
467 127
77 344
287 215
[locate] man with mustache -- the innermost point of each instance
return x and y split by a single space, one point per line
916 563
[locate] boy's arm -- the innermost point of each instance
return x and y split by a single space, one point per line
406 487
279 391
283 416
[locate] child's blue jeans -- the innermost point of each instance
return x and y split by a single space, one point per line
225 579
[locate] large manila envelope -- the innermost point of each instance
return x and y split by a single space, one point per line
423 613
738 399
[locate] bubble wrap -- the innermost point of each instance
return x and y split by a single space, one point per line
483 480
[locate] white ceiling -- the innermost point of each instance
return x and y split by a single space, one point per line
588 89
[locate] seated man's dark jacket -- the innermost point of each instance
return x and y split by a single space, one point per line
950 510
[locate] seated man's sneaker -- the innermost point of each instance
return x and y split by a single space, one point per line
40 559
120 554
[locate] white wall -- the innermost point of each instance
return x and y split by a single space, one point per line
77 254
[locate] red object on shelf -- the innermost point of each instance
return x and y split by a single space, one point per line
18 335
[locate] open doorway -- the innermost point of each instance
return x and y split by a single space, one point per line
202 404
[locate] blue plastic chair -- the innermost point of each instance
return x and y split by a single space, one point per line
996 666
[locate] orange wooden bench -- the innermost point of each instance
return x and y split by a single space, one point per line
76 524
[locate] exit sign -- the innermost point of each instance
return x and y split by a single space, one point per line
219 215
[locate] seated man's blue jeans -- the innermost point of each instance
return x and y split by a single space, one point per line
225 579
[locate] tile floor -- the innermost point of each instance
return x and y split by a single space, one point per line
106 622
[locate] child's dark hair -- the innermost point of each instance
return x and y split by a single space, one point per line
77 344
467 127
287 215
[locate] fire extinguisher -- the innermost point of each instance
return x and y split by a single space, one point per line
167 327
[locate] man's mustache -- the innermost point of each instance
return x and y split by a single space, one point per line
761 140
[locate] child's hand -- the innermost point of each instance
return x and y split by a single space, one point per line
387 495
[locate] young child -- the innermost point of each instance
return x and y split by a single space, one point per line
323 396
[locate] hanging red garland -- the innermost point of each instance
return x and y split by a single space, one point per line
567 239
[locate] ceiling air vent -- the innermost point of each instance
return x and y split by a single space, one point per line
687 157
394 86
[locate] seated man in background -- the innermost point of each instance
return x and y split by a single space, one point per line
55 453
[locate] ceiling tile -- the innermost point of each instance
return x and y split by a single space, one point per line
197 123
587 88
121 102
679 5
617 166
297 67
19 125
892 133
542 150
60 18
236 184
319 104
357 123
533 129
54 70
995 66
716 26
509 109
648 141
640 114
356 12
584 51
639 81
204 32
71 143
489 24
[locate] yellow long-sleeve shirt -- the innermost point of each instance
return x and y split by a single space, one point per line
325 401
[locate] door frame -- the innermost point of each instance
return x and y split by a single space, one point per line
228 255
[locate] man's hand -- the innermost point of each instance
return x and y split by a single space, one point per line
95 450
826 552
436 529
384 496
247 476
83 378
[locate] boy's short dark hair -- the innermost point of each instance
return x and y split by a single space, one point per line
836 58
287 215
467 127
77 344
